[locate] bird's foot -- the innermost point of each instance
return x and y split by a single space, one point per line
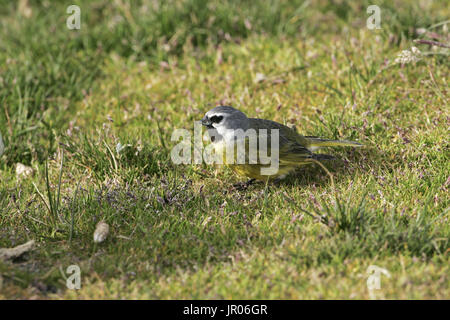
279 180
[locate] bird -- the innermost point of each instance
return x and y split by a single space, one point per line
294 150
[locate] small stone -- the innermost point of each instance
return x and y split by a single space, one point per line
259 77
421 31
23 170
101 232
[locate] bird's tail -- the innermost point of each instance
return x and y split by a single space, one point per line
316 143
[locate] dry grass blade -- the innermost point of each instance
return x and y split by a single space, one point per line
11 253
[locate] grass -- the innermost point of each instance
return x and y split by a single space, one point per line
132 75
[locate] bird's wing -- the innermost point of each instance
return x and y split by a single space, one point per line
292 153
292 146
289 133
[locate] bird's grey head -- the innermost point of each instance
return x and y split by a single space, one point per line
225 118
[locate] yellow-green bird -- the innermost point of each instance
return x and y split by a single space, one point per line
293 149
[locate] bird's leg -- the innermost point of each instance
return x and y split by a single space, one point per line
243 185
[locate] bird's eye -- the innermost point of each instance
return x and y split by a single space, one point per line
216 119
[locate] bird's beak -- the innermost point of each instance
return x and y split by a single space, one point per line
206 122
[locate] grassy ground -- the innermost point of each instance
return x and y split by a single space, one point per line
132 75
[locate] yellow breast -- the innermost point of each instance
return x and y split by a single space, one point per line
246 169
